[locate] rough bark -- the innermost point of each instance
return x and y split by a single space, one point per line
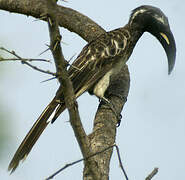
104 130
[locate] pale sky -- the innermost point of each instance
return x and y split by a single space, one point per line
152 130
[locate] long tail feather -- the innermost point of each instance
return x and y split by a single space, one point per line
33 135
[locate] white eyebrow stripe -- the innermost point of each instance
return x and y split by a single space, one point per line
136 13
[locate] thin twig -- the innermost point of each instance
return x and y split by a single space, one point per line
44 51
75 162
49 47
71 57
152 174
86 158
48 79
68 63
120 162
25 61
40 70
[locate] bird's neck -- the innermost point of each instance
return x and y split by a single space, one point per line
136 31
133 34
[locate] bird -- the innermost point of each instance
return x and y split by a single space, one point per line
100 59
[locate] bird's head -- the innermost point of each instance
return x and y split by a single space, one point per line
154 21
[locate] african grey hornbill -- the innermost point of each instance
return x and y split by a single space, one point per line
98 61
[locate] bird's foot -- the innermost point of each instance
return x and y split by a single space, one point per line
119 120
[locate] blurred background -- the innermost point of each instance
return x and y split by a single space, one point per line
153 125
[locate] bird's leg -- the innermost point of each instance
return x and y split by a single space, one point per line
112 107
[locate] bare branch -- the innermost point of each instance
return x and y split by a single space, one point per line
120 163
152 174
18 57
44 51
26 61
23 59
75 162
86 158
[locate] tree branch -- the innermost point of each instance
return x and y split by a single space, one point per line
67 17
86 158
26 61
67 87
104 131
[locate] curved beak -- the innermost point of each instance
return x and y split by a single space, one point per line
168 42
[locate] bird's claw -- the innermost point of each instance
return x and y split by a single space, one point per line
119 117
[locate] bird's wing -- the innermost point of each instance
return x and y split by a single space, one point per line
96 59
